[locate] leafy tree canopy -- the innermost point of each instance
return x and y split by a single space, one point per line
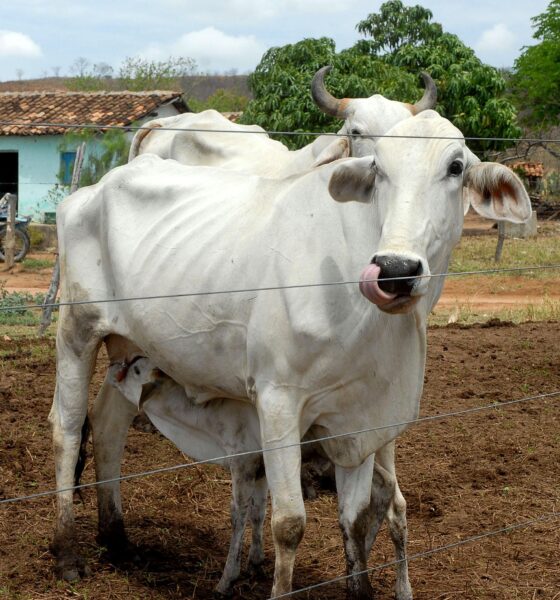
536 77
134 74
281 86
111 151
404 41
470 94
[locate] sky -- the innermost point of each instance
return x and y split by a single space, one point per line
45 37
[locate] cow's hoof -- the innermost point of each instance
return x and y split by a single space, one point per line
255 570
71 569
360 591
223 590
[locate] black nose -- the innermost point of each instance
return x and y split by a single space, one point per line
391 266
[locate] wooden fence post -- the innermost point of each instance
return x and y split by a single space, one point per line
500 244
50 297
10 240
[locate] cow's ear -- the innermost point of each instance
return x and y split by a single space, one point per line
340 148
496 192
353 180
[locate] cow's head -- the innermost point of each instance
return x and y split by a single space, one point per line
421 185
368 116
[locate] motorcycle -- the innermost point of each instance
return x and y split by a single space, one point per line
22 241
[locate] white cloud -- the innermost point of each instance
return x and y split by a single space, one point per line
212 49
247 8
498 39
13 43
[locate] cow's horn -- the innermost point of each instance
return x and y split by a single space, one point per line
429 98
325 101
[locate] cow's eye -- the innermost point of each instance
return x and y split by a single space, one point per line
455 168
356 132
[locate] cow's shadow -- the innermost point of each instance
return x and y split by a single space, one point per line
187 562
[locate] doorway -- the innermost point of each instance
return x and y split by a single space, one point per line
9 173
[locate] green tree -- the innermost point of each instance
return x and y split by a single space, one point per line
140 74
400 42
134 74
470 94
110 151
396 25
536 77
221 100
281 86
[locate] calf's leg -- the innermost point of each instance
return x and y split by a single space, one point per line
243 475
111 417
257 514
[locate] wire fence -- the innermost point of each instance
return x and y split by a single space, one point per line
134 128
419 555
229 457
272 288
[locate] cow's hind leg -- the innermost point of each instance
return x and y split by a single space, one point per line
354 511
111 417
243 476
75 362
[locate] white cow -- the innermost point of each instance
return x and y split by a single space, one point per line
319 359
208 138
220 428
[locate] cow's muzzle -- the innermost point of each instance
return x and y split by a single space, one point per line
391 282
398 274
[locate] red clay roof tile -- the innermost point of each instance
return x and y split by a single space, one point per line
22 112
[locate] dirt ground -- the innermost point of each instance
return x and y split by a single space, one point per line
461 477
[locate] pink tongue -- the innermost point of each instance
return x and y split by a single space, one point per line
370 289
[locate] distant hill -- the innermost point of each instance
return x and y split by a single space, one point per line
199 87
47 84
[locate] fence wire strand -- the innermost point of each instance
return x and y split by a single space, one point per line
270 288
130 128
445 548
420 555
217 459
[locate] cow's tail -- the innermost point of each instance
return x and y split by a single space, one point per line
139 138
82 455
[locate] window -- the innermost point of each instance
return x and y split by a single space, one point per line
67 160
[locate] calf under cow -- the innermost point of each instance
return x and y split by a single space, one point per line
217 429
320 359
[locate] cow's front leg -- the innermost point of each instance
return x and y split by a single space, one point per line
279 422
243 476
67 416
354 512
111 417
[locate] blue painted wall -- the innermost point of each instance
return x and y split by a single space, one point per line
39 165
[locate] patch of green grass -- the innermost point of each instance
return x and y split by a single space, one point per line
37 264
548 310
13 309
475 253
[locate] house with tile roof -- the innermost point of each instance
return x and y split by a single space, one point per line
32 126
